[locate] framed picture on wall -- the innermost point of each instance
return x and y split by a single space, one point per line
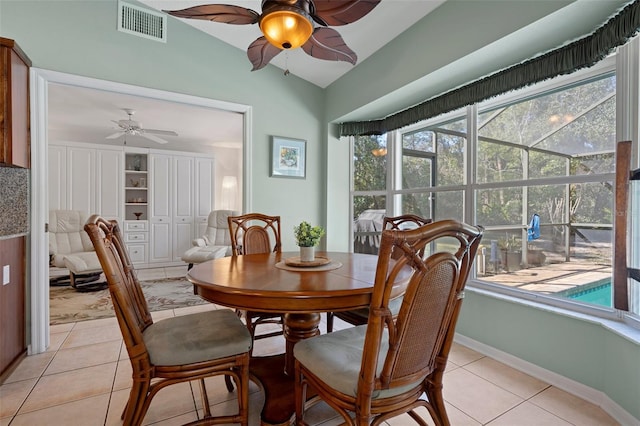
288 157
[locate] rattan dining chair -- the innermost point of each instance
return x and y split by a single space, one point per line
373 372
255 233
175 350
360 316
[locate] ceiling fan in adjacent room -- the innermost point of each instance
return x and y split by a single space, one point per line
288 24
130 127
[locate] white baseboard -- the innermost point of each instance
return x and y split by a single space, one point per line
578 389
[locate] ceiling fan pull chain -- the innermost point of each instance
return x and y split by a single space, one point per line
286 62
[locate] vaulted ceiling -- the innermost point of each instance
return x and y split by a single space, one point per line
77 114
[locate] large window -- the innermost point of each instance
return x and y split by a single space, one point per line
369 196
550 155
535 168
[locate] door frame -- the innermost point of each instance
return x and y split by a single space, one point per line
38 273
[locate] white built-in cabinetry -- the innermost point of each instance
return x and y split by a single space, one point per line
204 194
181 197
83 177
183 208
161 198
136 235
136 210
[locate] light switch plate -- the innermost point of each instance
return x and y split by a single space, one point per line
6 273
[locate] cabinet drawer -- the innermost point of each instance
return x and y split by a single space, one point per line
136 225
140 237
137 253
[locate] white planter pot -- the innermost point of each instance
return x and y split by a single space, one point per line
307 254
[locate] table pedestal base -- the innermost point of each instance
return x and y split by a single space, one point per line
279 401
276 373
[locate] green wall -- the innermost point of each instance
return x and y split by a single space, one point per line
459 42
603 355
80 37
429 59
453 31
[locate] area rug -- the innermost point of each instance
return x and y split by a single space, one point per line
68 305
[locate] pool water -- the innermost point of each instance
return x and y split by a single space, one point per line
600 295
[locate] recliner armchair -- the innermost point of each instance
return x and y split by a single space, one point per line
70 247
215 243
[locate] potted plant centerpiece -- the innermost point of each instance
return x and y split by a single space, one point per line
307 238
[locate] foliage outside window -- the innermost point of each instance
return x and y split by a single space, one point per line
549 154
558 136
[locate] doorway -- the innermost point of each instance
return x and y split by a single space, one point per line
42 82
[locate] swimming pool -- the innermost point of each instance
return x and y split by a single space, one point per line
596 293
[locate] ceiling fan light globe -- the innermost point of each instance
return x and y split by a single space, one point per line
286 27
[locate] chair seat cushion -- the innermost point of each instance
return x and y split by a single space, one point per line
335 358
196 337
202 254
80 263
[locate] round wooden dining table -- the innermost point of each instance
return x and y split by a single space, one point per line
265 283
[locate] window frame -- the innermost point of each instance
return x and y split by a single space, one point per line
626 80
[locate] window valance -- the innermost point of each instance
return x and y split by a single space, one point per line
579 54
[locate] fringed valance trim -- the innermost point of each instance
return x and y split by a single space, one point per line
564 60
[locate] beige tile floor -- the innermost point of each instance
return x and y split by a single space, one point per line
84 377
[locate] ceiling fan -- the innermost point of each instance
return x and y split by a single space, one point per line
288 24
130 127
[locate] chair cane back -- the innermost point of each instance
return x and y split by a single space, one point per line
373 372
174 350
360 316
255 233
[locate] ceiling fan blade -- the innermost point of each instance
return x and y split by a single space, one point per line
225 13
327 44
115 135
341 12
261 52
159 132
153 138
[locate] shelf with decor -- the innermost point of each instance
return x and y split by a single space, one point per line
136 204
136 186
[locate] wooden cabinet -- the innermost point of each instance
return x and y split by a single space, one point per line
14 105
12 304
14 152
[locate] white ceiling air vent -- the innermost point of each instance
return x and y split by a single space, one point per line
142 22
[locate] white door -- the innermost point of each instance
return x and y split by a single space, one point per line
204 192
160 247
109 172
57 181
183 204
81 179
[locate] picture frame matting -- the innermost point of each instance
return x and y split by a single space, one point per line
288 157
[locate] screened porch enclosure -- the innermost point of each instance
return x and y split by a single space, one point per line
551 154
